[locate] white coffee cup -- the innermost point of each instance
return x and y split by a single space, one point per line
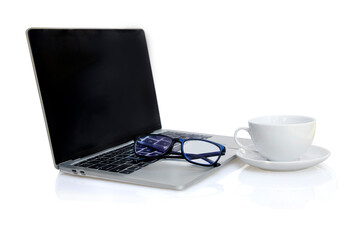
280 137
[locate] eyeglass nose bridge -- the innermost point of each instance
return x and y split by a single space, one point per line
177 140
180 140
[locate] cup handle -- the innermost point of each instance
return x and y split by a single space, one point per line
238 142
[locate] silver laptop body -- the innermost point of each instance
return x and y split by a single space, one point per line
97 95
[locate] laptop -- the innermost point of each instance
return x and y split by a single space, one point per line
97 93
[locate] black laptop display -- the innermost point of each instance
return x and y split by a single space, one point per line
96 87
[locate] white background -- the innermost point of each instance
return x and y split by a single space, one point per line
215 65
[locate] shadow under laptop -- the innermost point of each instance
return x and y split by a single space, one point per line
76 188
288 190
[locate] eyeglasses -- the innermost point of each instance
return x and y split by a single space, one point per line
197 151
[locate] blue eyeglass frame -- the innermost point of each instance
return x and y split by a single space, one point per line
181 154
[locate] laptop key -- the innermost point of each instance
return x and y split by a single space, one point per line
107 167
84 164
134 168
120 168
107 161
96 166
142 164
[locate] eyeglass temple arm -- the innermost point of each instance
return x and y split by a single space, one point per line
179 155
195 156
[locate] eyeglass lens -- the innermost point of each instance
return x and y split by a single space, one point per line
201 152
152 145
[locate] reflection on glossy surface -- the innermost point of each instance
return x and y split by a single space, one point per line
75 188
239 182
289 189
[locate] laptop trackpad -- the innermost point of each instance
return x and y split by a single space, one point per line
173 172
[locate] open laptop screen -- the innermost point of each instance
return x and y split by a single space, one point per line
96 88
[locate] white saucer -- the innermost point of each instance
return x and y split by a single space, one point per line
313 156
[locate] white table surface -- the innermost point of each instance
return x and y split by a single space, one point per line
315 203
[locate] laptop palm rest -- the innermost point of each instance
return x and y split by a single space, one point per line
177 174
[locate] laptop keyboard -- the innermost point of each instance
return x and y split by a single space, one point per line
185 135
123 160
